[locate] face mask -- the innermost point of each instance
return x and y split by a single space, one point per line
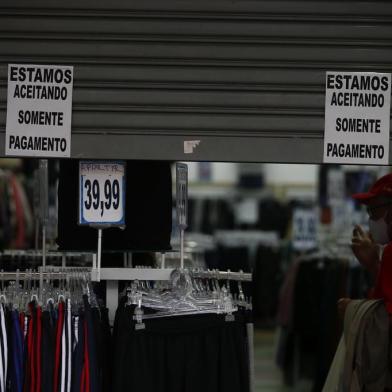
379 230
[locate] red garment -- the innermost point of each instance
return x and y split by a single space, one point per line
38 350
82 380
383 288
19 240
59 330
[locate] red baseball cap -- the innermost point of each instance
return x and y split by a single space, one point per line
382 187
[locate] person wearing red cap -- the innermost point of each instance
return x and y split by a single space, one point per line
374 249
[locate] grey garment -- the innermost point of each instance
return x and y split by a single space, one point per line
250 334
332 382
361 362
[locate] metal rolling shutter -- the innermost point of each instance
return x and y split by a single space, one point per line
246 78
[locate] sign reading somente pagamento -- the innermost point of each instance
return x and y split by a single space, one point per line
357 113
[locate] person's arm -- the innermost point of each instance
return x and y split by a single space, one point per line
366 251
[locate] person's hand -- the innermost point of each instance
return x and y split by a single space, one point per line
342 306
365 249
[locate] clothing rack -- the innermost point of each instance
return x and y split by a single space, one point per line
112 276
37 253
223 275
37 275
164 274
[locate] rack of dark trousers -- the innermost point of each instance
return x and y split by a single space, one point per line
183 353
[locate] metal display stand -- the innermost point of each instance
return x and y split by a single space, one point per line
112 276
182 204
43 203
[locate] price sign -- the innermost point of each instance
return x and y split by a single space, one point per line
102 193
304 229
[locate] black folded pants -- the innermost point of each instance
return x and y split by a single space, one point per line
180 354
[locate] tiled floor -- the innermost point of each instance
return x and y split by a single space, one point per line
267 374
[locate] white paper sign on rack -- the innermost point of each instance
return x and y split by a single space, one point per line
304 229
247 211
336 186
39 110
357 115
102 193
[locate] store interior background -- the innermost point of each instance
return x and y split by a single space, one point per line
243 215
240 217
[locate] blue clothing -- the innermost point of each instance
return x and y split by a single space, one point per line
16 365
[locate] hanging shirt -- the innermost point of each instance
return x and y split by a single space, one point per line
383 288
3 350
91 348
66 351
48 351
38 350
85 378
57 362
78 353
16 365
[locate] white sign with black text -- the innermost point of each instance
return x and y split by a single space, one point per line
336 185
304 229
357 113
102 193
39 110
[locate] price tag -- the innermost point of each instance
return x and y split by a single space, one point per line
102 193
304 229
